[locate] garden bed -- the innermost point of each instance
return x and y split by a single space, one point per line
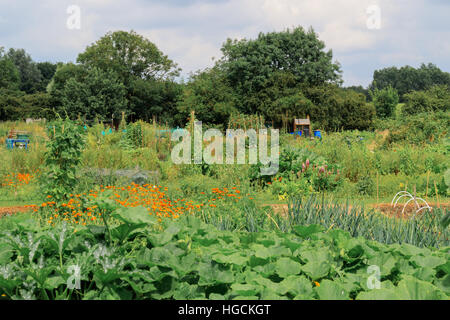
388 209
10 210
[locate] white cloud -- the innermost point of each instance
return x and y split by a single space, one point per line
191 52
192 32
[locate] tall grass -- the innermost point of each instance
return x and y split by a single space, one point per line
423 231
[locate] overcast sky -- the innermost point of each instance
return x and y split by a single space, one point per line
191 32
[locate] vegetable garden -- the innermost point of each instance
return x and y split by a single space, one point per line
209 231
94 206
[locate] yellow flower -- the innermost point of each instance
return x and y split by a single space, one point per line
281 196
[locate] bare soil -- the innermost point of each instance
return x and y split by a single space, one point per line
12 210
410 209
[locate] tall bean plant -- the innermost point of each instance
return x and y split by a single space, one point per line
63 155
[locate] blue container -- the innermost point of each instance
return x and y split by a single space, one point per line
317 134
9 144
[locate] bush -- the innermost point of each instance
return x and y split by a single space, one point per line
15 105
334 108
385 101
365 186
420 128
437 98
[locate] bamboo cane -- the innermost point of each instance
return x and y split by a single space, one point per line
437 196
377 188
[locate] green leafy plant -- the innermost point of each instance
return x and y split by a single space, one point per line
385 101
63 155
189 259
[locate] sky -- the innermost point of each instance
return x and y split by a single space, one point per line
364 35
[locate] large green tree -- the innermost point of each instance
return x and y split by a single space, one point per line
334 108
250 64
47 70
63 73
407 79
30 75
280 75
154 98
9 75
130 56
98 94
141 67
208 94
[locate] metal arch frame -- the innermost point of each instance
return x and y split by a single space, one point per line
405 193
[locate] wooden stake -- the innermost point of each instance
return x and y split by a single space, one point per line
142 131
414 194
437 197
377 187
170 139
192 120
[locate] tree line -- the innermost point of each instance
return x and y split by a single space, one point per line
279 75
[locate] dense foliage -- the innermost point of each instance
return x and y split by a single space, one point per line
435 99
97 94
385 101
133 58
62 158
200 233
407 79
278 75
192 260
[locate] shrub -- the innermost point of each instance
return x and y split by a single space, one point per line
334 108
437 98
420 128
385 101
365 186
